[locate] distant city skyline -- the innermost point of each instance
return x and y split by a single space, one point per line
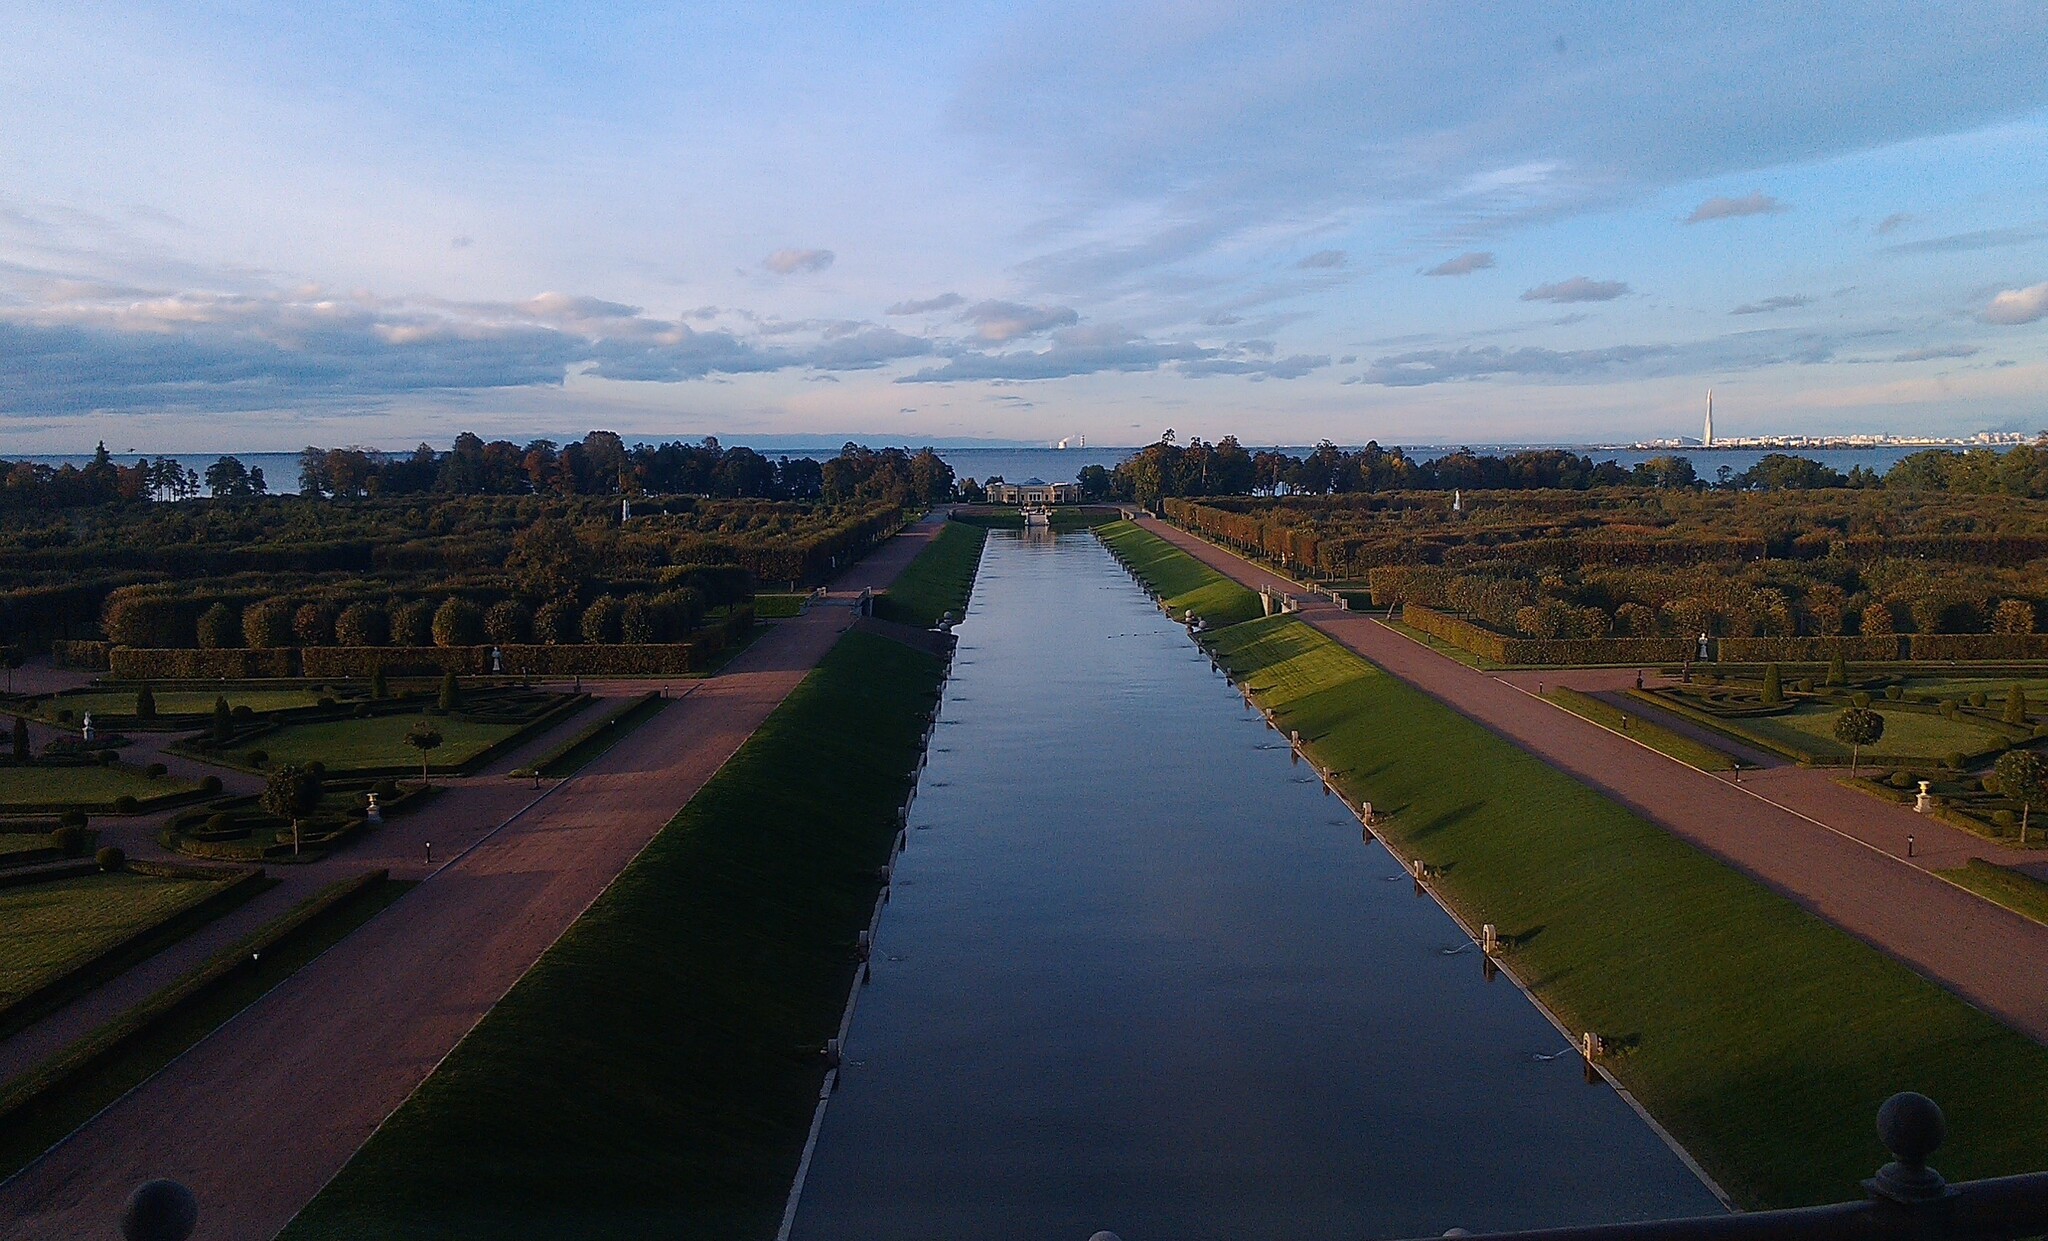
225 228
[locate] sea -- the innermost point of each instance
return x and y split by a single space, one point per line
1058 465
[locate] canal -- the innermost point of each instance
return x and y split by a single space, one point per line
1140 973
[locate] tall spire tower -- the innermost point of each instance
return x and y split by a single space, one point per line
1707 436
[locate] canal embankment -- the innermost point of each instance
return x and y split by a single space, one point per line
1759 1035
657 1072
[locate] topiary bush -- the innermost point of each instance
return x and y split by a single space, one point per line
156 771
70 839
1860 699
1894 693
1958 760
210 784
1900 779
2005 818
1978 699
256 758
110 858
72 818
125 804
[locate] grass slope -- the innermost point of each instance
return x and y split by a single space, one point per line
42 786
1632 724
654 1074
52 927
938 581
2014 889
1760 1035
1182 581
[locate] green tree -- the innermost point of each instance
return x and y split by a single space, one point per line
1838 670
145 702
217 628
2016 705
1774 684
458 622
509 623
2023 776
21 745
602 619
291 792
425 738
268 623
362 624
1857 727
223 721
379 688
451 691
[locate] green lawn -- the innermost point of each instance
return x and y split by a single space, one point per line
2016 890
20 842
1633 725
938 581
1992 688
378 743
51 928
36 787
1907 734
1182 581
655 1073
1761 1036
778 607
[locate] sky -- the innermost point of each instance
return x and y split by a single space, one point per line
258 226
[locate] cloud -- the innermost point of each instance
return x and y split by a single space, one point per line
1934 352
1890 224
1277 368
1716 355
461 243
944 301
1985 239
1322 258
1735 208
1002 321
1463 265
1095 350
565 306
1791 301
2018 305
1577 289
790 262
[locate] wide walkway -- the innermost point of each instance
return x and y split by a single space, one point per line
1985 954
260 1115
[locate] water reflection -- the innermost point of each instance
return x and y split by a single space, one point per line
1144 980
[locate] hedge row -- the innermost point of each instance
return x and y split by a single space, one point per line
1500 648
1811 650
1980 646
647 659
74 653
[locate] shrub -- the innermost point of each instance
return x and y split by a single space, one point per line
210 784
125 804
412 624
2013 616
267 623
313 624
245 712
386 788
1774 685
145 703
21 740
1978 699
70 839
362 711
106 758
1957 760
636 621
64 715
458 622
1900 780
1948 709
602 618
362 624
1860 698
1894 693
256 758
379 688
451 692
110 858
2016 705
217 628
2004 818
156 771
559 622
72 818
509 622
1838 670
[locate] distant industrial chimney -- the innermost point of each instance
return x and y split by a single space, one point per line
1707 436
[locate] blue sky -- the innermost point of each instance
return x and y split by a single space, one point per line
257 226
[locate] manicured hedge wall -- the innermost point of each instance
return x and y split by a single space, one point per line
1980 645
1546 651
1810 650
91 656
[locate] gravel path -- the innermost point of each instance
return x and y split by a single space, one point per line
1834 851
260 1115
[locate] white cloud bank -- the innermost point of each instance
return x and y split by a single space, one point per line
2018 305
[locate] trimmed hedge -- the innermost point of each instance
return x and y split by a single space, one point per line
71 653
1500 648
1980 645
340 662
1810 650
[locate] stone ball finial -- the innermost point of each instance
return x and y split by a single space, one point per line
160 1210
1105 1236
1911 1127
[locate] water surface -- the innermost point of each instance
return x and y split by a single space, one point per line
1140 973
